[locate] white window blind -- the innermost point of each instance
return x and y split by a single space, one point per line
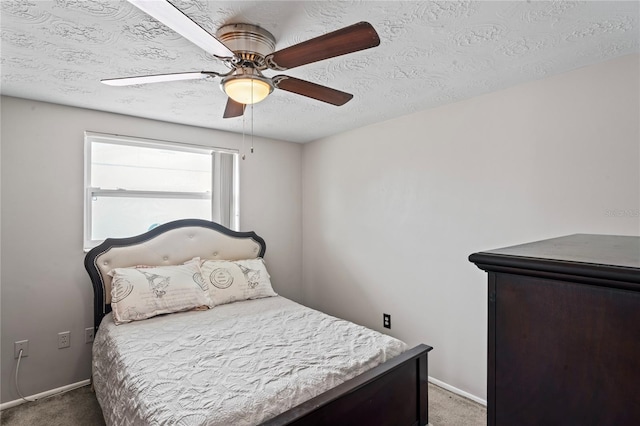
133 185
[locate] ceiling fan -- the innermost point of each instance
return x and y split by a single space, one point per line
247 50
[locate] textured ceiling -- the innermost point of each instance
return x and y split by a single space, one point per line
431 53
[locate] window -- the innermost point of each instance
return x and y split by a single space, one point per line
133 185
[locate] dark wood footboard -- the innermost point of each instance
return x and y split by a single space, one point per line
393 393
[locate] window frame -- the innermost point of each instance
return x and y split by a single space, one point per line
90 192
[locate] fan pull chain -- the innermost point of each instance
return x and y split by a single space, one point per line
252 115
252 128
243 156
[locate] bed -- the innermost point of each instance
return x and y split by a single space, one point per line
264 360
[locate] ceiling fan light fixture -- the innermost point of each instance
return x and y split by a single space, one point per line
247 90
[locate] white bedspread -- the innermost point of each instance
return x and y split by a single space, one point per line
236 364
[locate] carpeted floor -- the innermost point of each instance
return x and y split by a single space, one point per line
76 407
79 407
447 408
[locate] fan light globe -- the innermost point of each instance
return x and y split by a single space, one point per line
247 90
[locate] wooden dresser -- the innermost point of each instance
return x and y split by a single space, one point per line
564 331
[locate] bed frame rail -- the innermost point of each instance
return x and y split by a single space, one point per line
379 396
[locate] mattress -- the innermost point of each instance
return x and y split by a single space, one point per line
236 364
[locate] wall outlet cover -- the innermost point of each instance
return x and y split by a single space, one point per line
22 344
64 339
386 320
88 335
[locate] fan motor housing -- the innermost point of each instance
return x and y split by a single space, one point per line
249 42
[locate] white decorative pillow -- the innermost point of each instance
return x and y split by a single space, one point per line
143 292
232 281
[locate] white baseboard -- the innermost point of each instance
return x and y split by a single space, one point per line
45 394
457 391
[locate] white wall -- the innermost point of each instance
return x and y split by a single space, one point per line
45 288
392 211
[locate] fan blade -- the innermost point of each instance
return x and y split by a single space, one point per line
350 39
173 18
311 90
233 109
158 78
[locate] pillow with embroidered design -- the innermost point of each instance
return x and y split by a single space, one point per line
231 281
144 292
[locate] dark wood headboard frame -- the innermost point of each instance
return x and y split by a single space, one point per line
100 308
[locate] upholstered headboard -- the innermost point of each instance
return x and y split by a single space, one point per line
170 244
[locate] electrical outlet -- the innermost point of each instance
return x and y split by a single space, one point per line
64 339
88 335
22 344
386 320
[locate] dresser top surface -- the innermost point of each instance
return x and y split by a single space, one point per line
612 250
